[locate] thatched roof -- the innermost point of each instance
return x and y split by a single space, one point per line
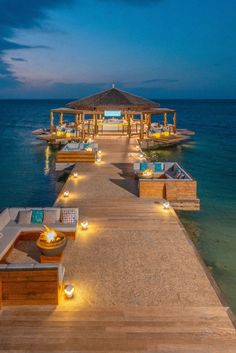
113 99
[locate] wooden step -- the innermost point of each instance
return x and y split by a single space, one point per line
131 329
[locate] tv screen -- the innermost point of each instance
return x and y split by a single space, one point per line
112 113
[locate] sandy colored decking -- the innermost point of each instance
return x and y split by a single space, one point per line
140 286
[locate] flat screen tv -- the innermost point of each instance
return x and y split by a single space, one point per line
112 113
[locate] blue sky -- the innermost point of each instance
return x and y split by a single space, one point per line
158 49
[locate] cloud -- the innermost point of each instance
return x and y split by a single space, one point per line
141 2
159 80
19 59
138 2
24 14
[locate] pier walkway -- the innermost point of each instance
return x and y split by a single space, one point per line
140 284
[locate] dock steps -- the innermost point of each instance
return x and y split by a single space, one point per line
186 204
130 329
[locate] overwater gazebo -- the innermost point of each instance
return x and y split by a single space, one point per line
113 112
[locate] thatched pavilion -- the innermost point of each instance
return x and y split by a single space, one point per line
115 112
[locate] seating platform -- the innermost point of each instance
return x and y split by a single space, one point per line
167 181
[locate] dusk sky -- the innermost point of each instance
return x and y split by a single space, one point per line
154 48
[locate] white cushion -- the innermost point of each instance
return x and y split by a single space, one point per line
4 218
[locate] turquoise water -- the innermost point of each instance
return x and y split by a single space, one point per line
27 176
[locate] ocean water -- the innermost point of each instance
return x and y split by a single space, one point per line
28 179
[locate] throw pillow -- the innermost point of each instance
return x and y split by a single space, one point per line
37 216
69 215
24 217
50 216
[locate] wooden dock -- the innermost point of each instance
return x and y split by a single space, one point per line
140 285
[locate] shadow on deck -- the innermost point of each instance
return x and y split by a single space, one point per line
128 182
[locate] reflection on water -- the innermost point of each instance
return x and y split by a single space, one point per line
47 160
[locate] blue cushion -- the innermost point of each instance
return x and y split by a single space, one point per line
37 216
86 145
143 166
158 167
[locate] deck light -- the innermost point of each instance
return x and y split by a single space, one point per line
166 205
84 224
99 159
75 175
69 291
141 155
66 193
99 153
148 173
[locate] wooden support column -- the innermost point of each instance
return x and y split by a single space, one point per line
141 127
165 119
51 122
83 131
129 124
76 124
175 121
95 117
149 121
61 118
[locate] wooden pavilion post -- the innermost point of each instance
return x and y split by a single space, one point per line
149 121
80 124
83 132
61 118
96 124
129 124
76 124
165 119
175 123
51 122
141 127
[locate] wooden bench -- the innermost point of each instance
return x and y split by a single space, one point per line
30 284
76 157
182 194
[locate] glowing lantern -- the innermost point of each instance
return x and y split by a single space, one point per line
166 205
66 193
84 224
75 175
69 291
148 173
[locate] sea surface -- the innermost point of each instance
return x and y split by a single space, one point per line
28 179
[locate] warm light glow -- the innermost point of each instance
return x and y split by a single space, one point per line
89 149
148 173
137 147
75 175
141 155
49 235
66 193
99 159
69 291
166 205
99 153
84 224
